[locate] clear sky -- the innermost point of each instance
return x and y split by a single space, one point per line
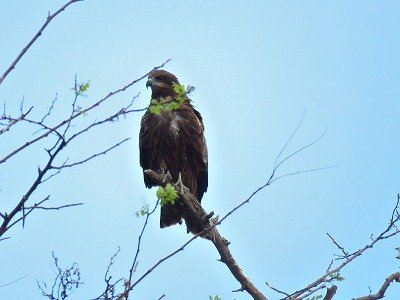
257 66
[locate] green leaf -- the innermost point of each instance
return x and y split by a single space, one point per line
179 89
314 297
155 109
83 87
172 106
169 103
336 277
167 194
143 211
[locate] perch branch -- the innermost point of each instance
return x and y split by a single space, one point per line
194 210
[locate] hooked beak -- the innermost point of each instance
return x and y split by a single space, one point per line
149 83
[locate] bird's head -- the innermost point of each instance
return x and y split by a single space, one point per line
161 82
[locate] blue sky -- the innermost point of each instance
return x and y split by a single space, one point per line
257 66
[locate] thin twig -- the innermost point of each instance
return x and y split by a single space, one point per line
388 232
14 281
345 253
140 240
77 114
13 121
39 33
53 207
91 157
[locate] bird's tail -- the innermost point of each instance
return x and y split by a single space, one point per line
170 215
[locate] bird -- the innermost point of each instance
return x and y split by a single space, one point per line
172 140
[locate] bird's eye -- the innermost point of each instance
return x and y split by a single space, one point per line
160 78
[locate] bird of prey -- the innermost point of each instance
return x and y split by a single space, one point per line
172 140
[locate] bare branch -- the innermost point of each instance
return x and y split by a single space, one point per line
39 33
300 149
28 210
388 232
330 292
13 121
77 114
345 253
53 207
19 207
277 290
64 284
381 293
50 109
125 294
109 292
288 141
91 157
303 171
132 270
14 281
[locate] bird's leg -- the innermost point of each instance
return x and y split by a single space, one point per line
208 217
180 184
165 175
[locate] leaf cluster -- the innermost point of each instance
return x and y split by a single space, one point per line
167 194
336 277
170 103
143 211
317 297
82 88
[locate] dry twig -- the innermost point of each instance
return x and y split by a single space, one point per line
39 33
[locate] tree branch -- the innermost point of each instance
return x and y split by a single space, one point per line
39 33
331 274
194 211
330 292
75 115
381 293
13 121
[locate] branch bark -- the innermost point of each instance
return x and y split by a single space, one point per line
330 292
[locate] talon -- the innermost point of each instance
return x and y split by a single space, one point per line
180 180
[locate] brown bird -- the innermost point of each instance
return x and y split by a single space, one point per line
172 140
